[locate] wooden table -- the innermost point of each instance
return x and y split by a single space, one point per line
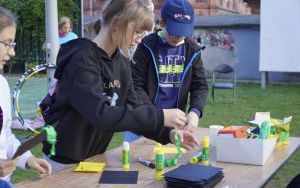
236 175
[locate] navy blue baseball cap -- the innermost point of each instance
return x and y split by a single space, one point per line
178 16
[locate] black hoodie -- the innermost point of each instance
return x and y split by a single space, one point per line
90 84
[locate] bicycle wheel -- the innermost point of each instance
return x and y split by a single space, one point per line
29 90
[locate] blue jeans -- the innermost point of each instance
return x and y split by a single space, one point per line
130 136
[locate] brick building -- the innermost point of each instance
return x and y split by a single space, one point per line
255 6
212 7
92 9
202 7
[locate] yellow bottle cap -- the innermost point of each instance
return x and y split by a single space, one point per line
159 176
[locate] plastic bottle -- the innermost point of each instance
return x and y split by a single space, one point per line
205 150
126 156
197 158
265 130
212 155
159 164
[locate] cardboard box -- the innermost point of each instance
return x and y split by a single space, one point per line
244 151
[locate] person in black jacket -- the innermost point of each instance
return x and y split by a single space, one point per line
167 65
94 95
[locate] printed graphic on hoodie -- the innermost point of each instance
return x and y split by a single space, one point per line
170 69
110 88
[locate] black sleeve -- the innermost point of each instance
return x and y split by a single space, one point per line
161 135
88 99
199 87
131 98
140 72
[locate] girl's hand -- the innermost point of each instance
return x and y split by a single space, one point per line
39 164
187 140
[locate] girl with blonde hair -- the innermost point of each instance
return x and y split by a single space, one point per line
65 30
95 95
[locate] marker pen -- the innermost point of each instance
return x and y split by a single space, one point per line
145 162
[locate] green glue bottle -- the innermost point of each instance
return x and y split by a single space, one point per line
265 130
197 158
205 150
159 164
125 156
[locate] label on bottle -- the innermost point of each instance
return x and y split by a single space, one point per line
159 164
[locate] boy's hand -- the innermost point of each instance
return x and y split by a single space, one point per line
192 122
174 118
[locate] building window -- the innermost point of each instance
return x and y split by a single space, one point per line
234 4
221 2
201 1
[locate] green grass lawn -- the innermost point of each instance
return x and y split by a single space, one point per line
281 100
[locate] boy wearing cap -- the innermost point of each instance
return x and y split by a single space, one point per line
167 65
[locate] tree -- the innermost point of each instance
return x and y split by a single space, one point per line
31 22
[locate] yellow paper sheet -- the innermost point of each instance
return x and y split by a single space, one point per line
169 149
89 167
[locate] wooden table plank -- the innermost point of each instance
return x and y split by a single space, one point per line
236 175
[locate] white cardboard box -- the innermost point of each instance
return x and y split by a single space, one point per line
245 151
